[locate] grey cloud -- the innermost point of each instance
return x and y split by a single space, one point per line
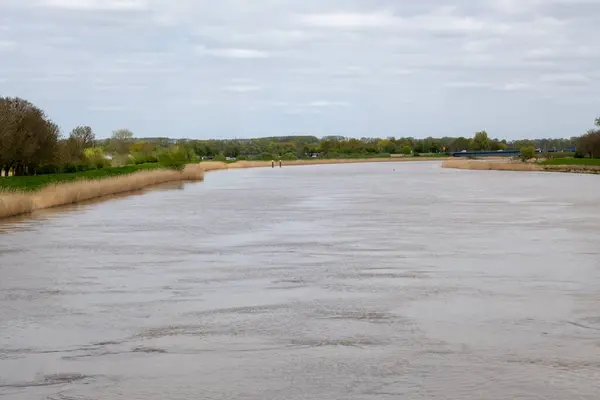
359 67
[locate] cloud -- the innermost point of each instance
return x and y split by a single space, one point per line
159 65
92 5
327 103
242 88
348 20
102 108
568 79
232 53
6 45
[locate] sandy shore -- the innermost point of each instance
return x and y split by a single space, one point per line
18 203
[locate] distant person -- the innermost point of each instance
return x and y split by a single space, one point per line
272 163
279 163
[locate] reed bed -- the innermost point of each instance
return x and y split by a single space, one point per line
500 165
12 204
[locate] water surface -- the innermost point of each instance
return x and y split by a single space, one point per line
370 281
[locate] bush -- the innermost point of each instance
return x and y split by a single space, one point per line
527 153
267 157
47 170
175 158
289 157
141 158
69 168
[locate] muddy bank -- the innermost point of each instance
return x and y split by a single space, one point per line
13 204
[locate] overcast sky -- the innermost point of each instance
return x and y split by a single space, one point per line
235 68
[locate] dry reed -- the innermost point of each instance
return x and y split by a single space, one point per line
12 204
498 165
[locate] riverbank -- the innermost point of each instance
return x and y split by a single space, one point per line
216 165
511 165
13 203
54 195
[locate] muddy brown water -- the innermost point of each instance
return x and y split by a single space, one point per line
374 281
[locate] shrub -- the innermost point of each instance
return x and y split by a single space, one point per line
47 169
69 168
175 158
267 157
289 157
527 153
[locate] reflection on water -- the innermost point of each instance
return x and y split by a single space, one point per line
332 282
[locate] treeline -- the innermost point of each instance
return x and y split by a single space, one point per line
291 147
31 143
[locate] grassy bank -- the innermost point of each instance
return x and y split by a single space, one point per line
572 161
78 189
36 182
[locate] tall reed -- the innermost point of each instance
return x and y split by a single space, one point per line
12 204
499 165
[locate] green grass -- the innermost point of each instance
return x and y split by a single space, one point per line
31 183
562 155
572 161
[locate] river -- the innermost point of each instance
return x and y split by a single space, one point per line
362 281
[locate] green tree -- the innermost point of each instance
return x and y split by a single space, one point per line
406 150
84 135
120 141
28 138
481 141
589 144
527 153
459 144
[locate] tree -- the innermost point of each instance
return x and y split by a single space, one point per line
406 150
597 121
120 141
28 138
459 144
481 141
527 153
589 144
84 135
